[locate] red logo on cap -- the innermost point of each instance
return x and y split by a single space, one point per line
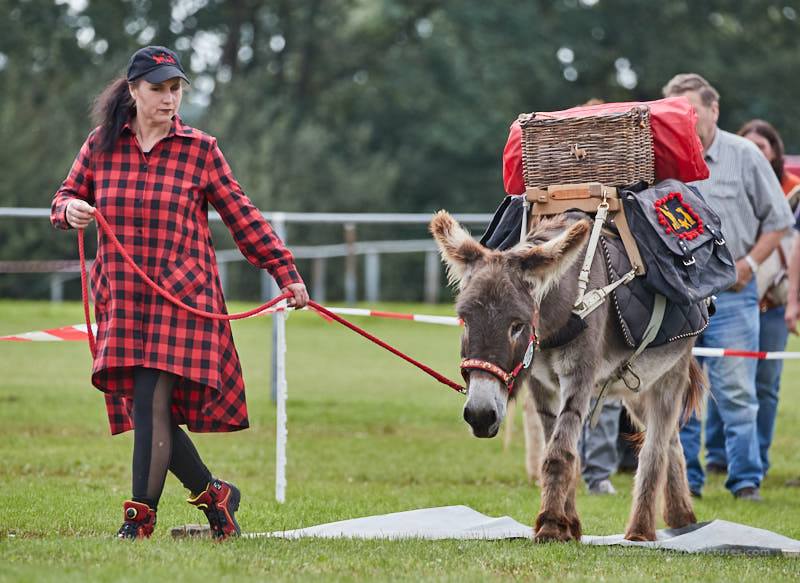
163 58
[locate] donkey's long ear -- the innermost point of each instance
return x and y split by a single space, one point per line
543 265
459 250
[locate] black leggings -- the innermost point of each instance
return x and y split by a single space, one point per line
158 443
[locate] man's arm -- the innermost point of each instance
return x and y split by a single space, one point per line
792 304
769 206
765 245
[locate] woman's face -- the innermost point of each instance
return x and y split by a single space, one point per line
763 145
157 103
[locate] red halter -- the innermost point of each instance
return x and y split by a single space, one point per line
507 378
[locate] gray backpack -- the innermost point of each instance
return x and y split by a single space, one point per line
680 240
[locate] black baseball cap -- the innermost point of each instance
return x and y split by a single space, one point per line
156 65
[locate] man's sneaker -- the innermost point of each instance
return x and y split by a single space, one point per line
140 520
749 493
715 468
219 501
696 493
602 488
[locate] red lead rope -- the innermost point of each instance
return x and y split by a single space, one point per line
104 226
442 379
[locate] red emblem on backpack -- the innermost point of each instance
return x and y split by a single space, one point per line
678 217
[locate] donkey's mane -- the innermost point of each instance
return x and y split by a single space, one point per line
547 228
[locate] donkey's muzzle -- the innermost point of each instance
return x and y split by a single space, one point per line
483 420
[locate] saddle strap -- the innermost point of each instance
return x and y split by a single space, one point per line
653 326
650 333
591 247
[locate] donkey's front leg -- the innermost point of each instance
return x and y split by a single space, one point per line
558 519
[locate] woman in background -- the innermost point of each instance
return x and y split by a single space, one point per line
773 288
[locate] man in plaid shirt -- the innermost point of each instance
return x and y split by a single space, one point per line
153 177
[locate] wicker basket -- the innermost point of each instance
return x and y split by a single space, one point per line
614 149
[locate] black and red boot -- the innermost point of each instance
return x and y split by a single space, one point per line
140 520
219 501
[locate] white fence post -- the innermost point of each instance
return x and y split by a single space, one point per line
279 226
222 268
281 430
372 276
433 269
350 282
56 288
318 279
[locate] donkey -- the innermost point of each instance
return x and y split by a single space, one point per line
502 297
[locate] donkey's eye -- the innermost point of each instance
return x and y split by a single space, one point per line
517 328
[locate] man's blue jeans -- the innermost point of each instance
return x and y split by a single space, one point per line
773 336
733 392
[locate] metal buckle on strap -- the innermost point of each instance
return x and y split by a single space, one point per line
630 378
690 262
718 238
595 298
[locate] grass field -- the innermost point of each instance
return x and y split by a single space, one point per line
368 434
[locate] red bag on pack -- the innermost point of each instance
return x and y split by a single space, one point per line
677 150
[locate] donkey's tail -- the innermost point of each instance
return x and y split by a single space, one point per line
693 398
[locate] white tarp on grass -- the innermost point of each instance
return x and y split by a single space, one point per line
462 522
446 522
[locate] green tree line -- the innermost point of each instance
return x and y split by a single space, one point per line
368 105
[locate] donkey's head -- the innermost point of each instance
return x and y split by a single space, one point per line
498 295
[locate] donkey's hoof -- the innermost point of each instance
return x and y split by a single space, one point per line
552 528
552 534
575 527
639 536
680 518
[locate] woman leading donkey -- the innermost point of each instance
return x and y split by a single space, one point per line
153 178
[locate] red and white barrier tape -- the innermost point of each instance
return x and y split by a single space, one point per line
731 352
78 333
424 318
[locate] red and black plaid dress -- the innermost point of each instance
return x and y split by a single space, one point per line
157 205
